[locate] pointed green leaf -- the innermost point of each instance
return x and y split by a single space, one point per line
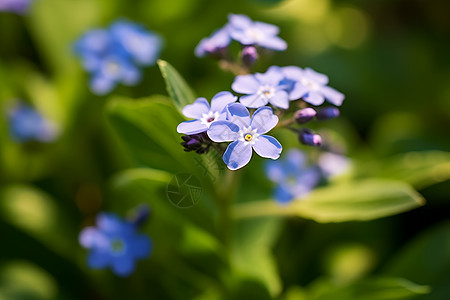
352 201
178 89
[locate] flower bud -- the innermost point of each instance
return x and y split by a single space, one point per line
307 137
327 113
139 215
249 55
304 115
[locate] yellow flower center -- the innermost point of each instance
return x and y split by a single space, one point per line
248 137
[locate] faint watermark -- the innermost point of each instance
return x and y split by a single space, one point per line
184 190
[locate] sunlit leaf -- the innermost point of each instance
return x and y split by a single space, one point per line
178 89
349 201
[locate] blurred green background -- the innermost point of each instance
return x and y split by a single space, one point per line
391 60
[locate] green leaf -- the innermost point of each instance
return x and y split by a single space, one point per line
420 169
349 201
252 252
384 288
178 89
147 128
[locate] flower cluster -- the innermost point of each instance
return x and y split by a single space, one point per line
251 35
26 124
116 243
115 55
15 6
295 179
277 88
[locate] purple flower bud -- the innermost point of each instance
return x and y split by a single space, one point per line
249 55
327 113
196 142
139 215
304 115
307 137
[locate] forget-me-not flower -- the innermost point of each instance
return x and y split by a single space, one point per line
293 178
332 164
115 55
246 134
26 124
204 114
15 6
262 88
311 86
247 32
213 44
114 243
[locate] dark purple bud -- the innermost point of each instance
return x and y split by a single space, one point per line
307 137
196 142
139 215
304 115
327 113
249 55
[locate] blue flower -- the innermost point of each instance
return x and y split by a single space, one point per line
214 44
26 124
114 243
115 55
311 87
262 88
204 114
246 134
15 6
332 164
247 32
293 178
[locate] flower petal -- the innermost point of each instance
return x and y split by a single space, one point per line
222 99
264 120
223 131
333 96
98 259
275 171
268 29
283 194
101 85
280 99
274 43
298 91
314 98
196 109
141 246
268 147
245 84
191 127
239 21
237 155
318 77
238 114
254 101
91 237
123 265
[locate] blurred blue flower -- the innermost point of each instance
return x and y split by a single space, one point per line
214 44
15 6
293 178
247 32
246 134
26 124
114 243
115 55
205 114
332 164
262 88
311 87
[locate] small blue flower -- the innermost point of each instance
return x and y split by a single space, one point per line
204 114
293 178
214 44
26 124
114 243
332 164
247 32
311 87
15 6
246 134
115 55
262 88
